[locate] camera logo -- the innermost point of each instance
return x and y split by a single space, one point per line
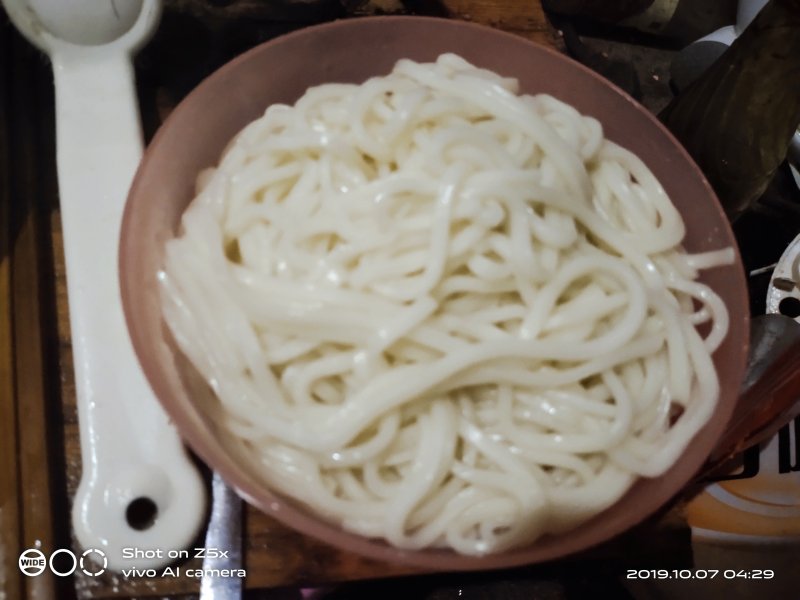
33 562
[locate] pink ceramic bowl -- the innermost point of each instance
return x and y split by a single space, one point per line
351 51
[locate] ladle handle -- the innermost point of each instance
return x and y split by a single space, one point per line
129 449
770 394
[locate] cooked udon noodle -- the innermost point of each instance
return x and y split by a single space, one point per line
441 313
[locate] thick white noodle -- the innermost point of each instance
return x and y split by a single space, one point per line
441 313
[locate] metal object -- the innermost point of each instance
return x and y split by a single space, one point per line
794 150
774 347
785 281
770 395
769 392
223 545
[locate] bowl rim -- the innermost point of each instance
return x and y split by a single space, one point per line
286 510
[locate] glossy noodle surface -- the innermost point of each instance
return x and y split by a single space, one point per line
441 313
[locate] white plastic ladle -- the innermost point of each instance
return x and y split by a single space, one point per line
139 489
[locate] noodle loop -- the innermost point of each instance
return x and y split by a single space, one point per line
443 314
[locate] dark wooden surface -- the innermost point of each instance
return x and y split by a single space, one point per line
32 494
39 444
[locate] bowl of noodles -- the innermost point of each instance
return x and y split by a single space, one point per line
433 294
